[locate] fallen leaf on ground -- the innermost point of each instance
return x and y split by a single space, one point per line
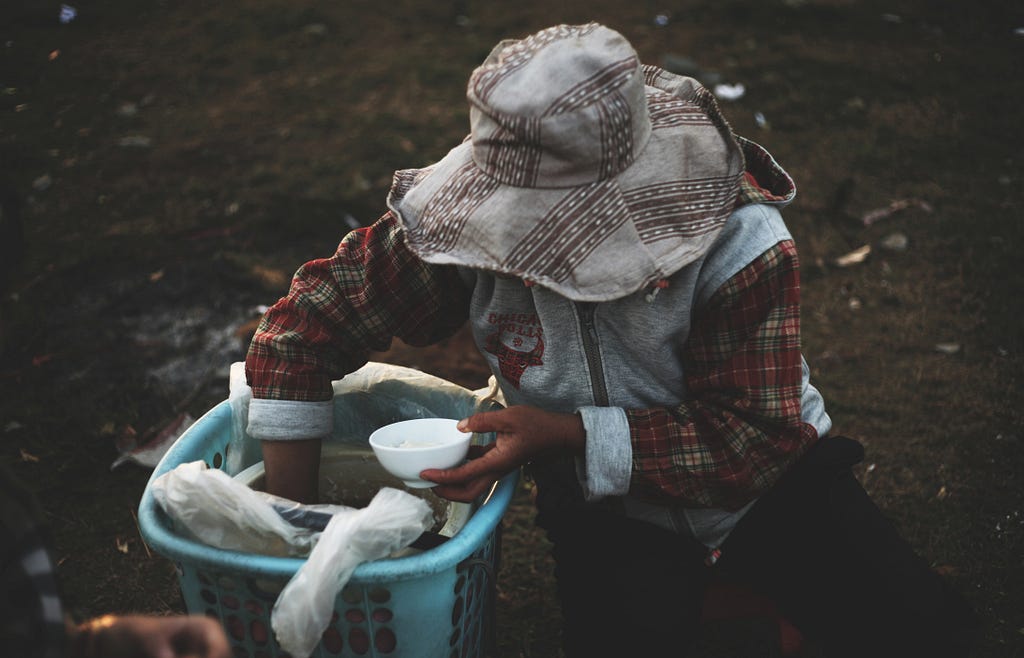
135 141
856 256
895 242
150 453
40 359
873 216
127 440
270 277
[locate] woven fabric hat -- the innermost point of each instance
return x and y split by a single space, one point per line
585 171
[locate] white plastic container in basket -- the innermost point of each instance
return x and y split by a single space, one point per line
436 602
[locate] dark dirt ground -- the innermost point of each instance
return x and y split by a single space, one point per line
174 162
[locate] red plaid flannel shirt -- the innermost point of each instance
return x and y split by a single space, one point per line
740 427
728 442
340 308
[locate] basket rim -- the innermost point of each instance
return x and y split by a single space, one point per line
155 531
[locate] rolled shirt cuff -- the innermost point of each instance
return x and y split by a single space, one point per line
285 420
607 464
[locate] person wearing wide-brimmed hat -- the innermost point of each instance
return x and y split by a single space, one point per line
620 257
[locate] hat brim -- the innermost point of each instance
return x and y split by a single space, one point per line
593 242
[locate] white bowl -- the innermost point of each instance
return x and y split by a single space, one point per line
407 447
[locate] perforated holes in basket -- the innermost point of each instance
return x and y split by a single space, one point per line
332 640
384 640
358 641
235 628
258 631
457 611
460 584
359 625
352 595
225 587
380 595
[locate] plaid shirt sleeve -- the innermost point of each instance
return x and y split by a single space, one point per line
338 309
740 429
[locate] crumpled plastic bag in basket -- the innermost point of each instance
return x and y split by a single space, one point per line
392 520
211 507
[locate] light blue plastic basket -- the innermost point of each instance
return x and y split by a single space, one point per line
438 603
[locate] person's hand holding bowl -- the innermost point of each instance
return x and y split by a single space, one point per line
409 447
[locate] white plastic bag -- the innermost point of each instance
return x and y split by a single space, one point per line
211 507
242 450
392 520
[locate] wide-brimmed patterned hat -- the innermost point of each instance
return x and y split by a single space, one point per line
585 172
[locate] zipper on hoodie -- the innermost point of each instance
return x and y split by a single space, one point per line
588 329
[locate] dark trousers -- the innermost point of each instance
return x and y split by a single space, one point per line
816 545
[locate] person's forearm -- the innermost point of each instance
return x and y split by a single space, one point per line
292 469
337 311
289 433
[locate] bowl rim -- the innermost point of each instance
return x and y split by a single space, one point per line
447 440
